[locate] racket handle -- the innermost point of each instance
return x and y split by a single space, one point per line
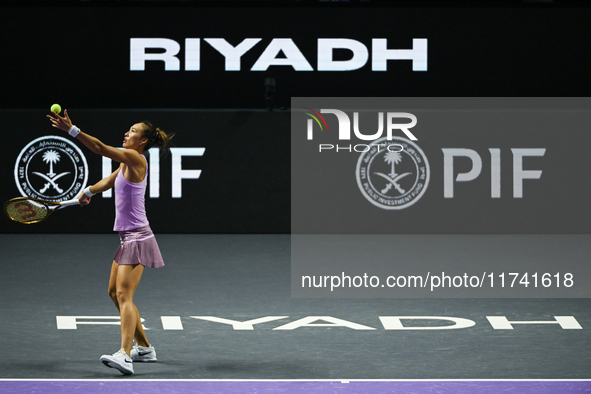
69 203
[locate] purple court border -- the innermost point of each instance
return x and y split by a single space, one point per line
294 386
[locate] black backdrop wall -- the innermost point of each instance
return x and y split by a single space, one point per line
79 56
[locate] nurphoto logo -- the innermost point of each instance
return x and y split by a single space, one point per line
388 123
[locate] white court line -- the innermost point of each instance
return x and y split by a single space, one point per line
295 380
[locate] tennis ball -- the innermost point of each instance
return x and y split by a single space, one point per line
56 108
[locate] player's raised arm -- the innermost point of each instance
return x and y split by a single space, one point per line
128 156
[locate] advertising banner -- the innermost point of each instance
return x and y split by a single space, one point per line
233 57
226 171
365 170
222 78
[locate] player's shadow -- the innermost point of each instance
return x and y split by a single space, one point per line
58 370
234 369
226 369
264 370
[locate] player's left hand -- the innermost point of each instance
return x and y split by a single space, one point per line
61 122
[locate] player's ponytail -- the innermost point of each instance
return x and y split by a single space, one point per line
156 137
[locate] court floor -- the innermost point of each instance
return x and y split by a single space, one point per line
221 311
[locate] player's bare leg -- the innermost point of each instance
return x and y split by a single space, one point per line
128 278
139 334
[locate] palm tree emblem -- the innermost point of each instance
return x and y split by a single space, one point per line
51 177
393 158
51 157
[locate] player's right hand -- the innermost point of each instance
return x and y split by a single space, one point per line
83 199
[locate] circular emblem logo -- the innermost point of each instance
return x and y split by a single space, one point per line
393 174
51 168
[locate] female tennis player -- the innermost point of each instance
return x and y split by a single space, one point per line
138 247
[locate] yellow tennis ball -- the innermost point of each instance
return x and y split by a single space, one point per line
56 108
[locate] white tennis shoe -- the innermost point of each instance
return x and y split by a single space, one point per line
143 354
120 361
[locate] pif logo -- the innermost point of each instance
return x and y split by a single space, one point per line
51 168
393 179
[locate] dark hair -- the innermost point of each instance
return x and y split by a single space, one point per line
156 137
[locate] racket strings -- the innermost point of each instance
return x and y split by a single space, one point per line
26 211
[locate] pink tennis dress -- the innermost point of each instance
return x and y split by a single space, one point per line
138 244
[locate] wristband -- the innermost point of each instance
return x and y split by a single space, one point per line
88 193
74 131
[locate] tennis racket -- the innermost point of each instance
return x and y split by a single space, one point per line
28 210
